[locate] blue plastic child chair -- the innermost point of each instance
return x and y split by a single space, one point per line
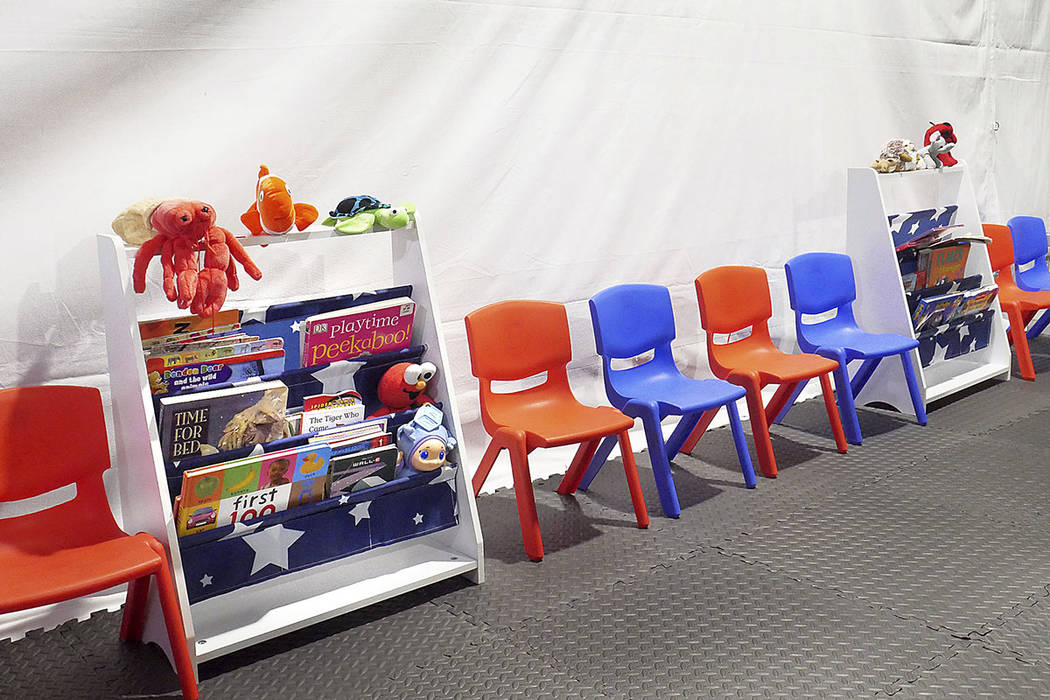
818 283
630 320
1029 239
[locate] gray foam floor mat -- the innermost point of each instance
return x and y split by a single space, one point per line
915 565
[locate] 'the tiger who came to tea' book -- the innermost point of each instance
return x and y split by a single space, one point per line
382 326
207 422
246 488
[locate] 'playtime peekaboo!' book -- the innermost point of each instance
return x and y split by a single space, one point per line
360 330
246 488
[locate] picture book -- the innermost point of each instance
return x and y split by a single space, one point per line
348 470
246 488
200 368
350 434
944 264
286 320
361 330
331 411
212 421
186 324
933 311
977 300
161 343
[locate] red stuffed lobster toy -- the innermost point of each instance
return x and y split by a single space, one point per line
185 228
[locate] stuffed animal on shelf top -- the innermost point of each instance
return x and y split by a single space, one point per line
940 138
898 155
424 442
185 228
133 224
273 213
403 386
362 212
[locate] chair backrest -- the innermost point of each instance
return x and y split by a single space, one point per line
819 282
54 436
517 339
1000 250
1028 234
630 319
734 297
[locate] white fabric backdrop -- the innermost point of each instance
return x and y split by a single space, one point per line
553 147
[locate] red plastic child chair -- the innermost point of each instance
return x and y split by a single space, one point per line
1019 305
733 298
75 548
514 340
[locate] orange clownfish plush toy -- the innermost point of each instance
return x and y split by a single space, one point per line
273 213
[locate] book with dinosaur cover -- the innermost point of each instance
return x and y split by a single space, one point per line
207 422
360 330
243 489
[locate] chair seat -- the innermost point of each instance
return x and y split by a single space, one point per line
774 366
29 579
1028 301
674 392
858 343
1035 279
551 419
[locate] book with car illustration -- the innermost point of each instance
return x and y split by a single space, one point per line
237 491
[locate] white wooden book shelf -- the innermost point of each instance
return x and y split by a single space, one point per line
304 265
882 304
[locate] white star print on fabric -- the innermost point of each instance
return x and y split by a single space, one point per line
271 546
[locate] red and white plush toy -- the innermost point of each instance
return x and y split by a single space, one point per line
940 138
404 386
183 229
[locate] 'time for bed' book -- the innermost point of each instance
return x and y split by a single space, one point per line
206 422
382 326
237 491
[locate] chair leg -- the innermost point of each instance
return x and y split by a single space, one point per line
767 463
1017 334
654 437
779 418
487 460
574 474
530 523
1039 326
847 402
695 433
598 460
741 445
134 617
778 405
913 388
634 485
833 412
169 604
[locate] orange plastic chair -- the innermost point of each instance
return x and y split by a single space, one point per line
75 548
1020 305
733 298
514 340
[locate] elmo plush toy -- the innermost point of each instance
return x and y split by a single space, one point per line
403 386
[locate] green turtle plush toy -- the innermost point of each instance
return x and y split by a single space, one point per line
362 212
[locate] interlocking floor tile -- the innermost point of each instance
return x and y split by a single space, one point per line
714 626
973 671
910 553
